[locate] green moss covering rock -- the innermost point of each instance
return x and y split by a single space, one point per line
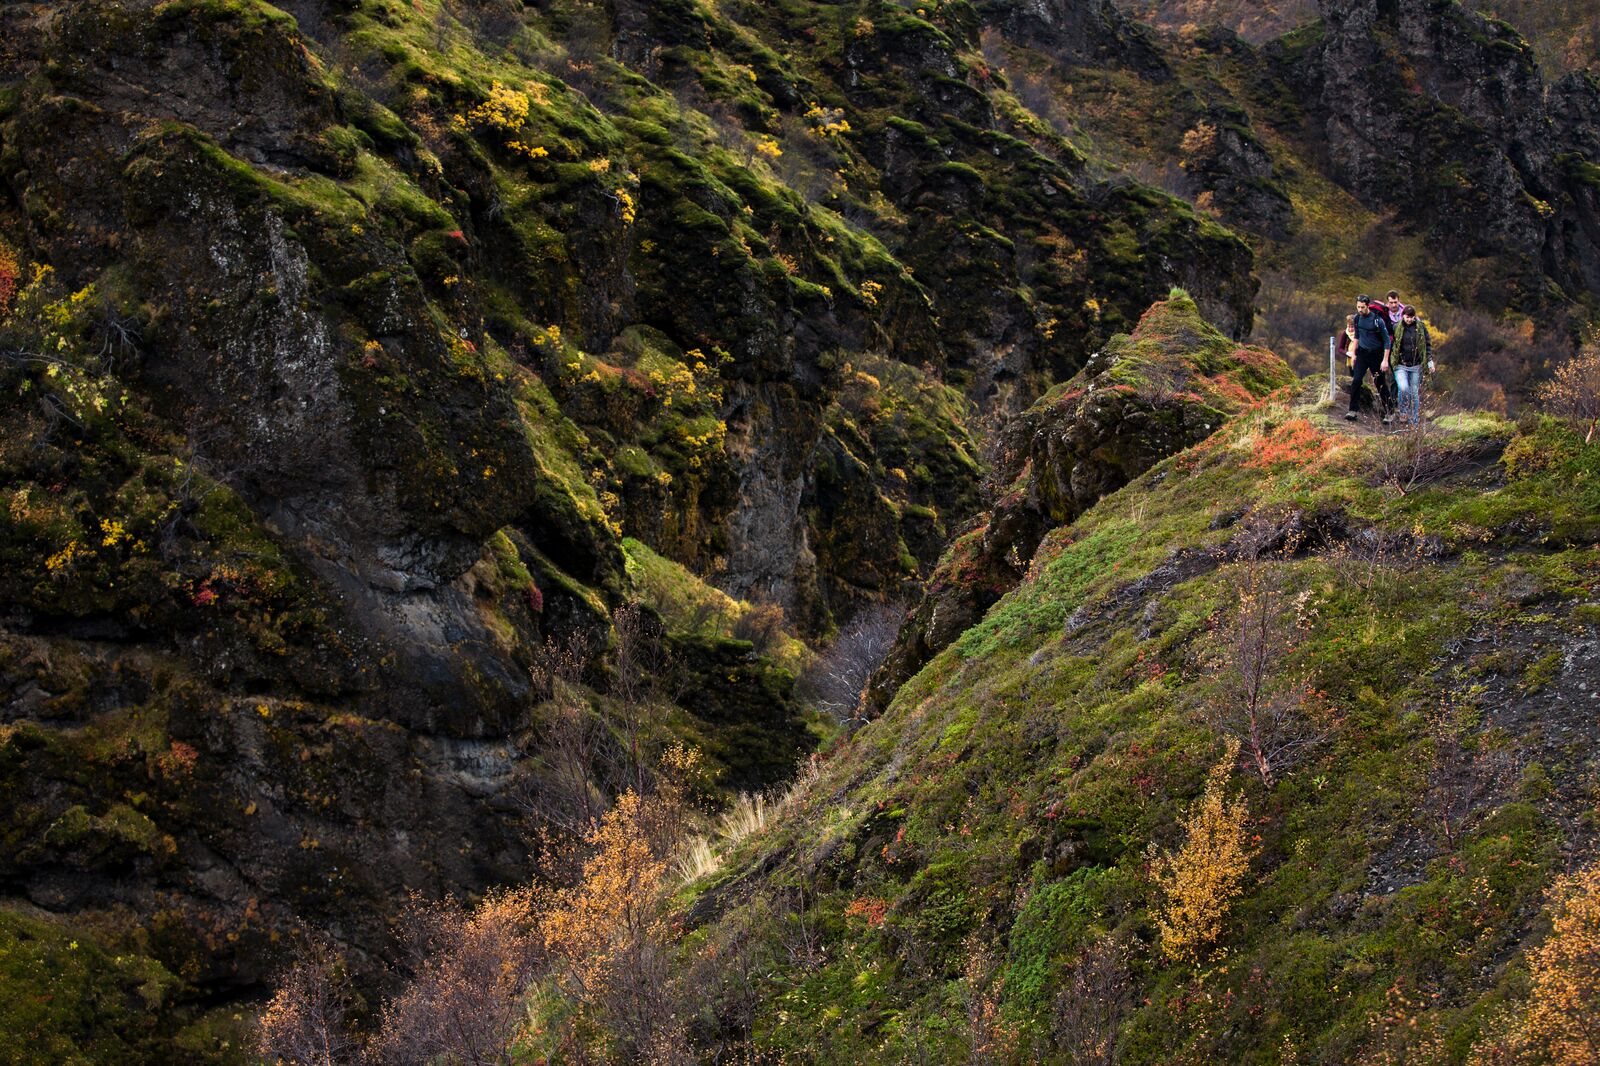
1147 395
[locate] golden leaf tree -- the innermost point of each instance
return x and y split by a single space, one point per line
1200 880
1561 1022
607 939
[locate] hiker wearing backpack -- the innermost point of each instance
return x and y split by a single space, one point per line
1373 344
1392 309
1412 357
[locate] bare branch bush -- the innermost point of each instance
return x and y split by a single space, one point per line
470 969
641 662
1414 458
1573 391
1484 362
118 335
799 935
1094 998
1295 323
728 975
837 679
307 1019
1159 390
991 1039
1368 563
1273 714
570 741
1461 772
494 21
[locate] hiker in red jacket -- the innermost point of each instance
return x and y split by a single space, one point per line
1392 309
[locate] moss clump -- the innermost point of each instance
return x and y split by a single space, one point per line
689 607
67 998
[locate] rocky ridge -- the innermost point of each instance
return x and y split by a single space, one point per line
357 356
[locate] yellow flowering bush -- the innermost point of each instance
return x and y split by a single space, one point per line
505 113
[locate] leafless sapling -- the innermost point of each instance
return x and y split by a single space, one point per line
1261 702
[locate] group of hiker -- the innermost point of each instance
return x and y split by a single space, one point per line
1387 340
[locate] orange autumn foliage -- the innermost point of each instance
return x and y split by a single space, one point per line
869 909
1228 389
1296 442
1200 880
609 946
1561 1022
614 906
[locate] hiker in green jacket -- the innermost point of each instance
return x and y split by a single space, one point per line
1412 354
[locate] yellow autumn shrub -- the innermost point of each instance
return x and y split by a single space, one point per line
1199 881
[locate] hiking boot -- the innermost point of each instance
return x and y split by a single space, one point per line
1349 416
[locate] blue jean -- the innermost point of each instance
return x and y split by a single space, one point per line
1408 383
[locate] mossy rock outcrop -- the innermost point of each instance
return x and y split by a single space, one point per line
1147 395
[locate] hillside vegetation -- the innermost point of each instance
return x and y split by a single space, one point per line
1281 751
464 463
1363 663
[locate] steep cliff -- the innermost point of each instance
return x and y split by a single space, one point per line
345 343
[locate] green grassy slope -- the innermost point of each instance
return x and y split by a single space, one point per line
960 859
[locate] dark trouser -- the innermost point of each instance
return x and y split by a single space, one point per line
1371 359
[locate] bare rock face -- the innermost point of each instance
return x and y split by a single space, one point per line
1443 115
280 317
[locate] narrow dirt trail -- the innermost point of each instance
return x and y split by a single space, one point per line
1367 424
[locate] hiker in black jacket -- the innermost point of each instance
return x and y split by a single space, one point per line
1373 343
